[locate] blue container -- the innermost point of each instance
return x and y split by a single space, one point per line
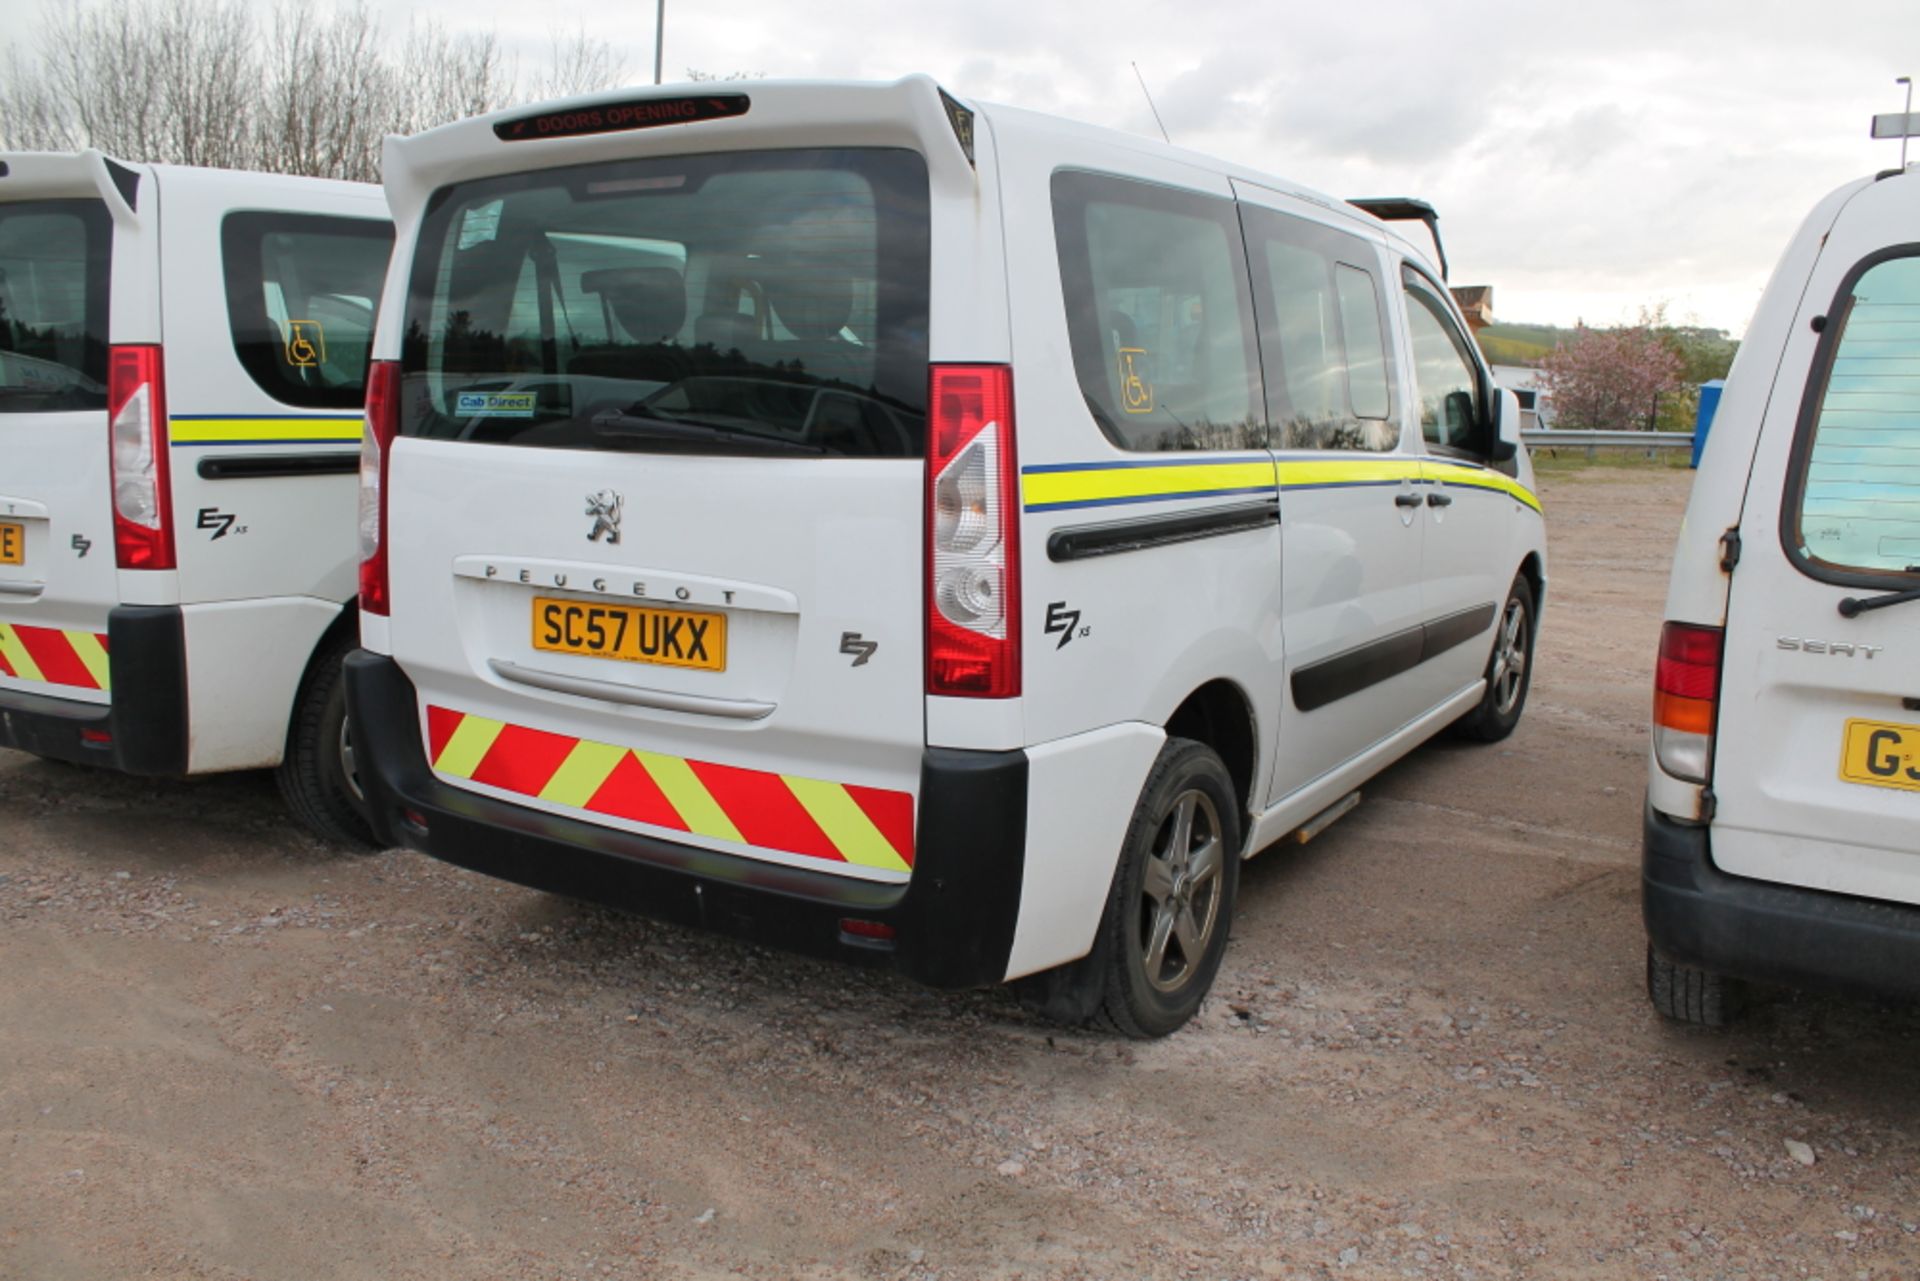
1703 417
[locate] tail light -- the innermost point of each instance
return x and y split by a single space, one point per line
1686 685
973 534
376 449
142 496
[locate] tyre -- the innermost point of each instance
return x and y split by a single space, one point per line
1509 670
1171 906
317 777
1686 994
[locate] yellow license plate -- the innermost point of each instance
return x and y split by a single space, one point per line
13 543
636 633
1881 754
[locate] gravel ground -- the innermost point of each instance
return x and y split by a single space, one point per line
228 1052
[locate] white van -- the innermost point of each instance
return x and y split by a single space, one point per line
183 356
1783 818
905 530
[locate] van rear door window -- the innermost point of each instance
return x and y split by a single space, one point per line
302 290
746 302
1853 509
1158 313
55 258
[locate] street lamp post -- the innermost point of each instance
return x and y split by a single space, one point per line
660 33
1905 79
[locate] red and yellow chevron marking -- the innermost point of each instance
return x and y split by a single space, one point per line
838 822
53 657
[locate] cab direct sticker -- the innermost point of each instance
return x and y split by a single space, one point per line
494 404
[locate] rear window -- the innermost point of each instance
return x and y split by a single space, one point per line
751 302
1853 498
54 267
301 294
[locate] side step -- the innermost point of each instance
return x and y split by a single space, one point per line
1326 818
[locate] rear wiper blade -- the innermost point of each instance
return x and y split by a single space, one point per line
1854 606
693 430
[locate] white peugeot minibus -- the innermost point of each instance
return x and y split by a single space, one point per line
914 530
183 354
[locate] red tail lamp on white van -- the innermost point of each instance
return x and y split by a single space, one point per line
973 534
1685 686
376 444
142 496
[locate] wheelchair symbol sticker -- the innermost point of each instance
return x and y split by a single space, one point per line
1136 392
306 344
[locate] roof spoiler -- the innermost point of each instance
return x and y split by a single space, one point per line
71 174
1406 209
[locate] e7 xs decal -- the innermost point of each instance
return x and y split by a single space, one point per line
1065 622
221 523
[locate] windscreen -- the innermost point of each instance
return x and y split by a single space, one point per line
54 261
748 302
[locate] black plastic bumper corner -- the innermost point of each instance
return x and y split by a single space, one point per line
1698 915
143 730
953 921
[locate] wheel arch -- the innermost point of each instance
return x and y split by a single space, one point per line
1220 714
345 624
1535 572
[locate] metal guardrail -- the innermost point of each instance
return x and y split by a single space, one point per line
1548 438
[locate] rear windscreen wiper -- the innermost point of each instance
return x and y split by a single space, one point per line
1854 606
690 431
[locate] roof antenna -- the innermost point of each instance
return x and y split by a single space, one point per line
1150 107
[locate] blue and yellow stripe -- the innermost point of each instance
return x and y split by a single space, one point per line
1064 486
1060 486
1477 477
191 430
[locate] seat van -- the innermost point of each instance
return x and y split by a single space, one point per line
1782 832
915 531
183 357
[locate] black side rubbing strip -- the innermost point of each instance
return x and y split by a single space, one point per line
1442 634
1332 679
252 466
127 181
1082 541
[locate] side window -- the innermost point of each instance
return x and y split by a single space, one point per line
302 290
1158 313
1445 377
1322 342
1853 495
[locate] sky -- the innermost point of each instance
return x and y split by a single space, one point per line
1587 160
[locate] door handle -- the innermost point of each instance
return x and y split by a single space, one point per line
1406 500
1439 500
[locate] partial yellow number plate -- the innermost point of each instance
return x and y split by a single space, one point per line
636 633
1881 754
13 543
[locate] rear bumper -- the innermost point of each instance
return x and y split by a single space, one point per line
953 921
143 730
1772 933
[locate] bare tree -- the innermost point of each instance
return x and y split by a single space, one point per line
576 64
165 80
326 95
203 82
